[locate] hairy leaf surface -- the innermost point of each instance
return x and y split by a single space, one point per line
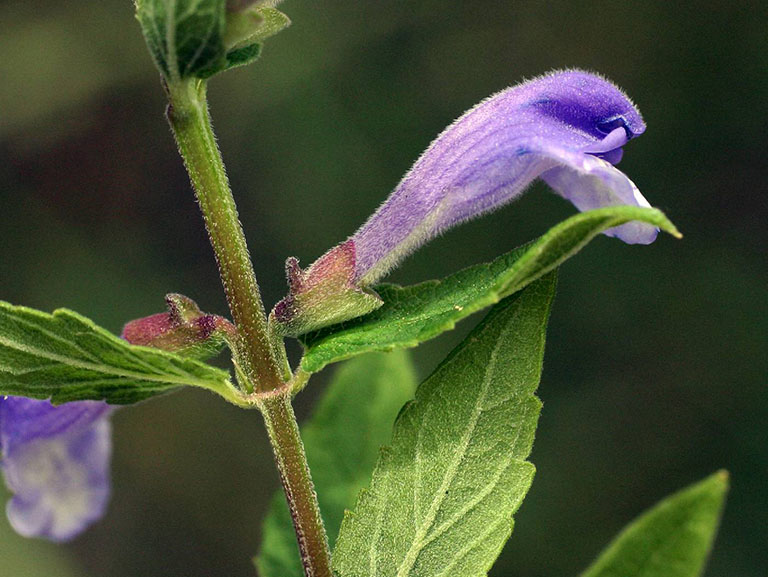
66 357
199 38
442 496
411 315
673 539
351 423
186 37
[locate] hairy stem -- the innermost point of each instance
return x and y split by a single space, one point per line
260 358
191 124
297 483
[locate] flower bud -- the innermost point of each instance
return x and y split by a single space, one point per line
323 295
184 329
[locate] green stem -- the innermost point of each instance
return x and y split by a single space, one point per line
191 124
297 483
260 358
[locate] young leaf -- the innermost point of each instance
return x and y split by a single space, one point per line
411 315
442 496
65 357
342 439
185 37
673 539
199 38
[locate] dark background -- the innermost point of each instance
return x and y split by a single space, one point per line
656 369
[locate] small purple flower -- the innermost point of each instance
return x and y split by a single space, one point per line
567 128
56 462
55 459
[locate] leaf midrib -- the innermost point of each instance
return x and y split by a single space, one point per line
419 538
106 369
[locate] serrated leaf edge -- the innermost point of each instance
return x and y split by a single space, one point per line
604 218
183 378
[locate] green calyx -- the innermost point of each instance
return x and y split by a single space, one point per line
200 38
324 294
184 330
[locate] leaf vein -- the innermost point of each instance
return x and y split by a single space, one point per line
412 554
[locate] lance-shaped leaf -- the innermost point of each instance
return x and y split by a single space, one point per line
414 314
442 496
673 539
351 423
66 357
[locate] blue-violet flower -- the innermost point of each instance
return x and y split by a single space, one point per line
55 459
56 462
567 128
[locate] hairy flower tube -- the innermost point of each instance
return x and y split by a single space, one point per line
567 128
55 460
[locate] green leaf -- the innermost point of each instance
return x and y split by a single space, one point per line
247 30
185 37
442 496
199 38
414 314
243 56
65 357
342 439
673 539
252 25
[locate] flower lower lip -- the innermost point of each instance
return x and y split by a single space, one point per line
614 140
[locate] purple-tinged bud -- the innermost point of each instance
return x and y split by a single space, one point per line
567 128
323 295
184 329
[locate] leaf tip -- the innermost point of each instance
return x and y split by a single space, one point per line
667 226
722 478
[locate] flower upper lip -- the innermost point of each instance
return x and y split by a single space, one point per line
609 125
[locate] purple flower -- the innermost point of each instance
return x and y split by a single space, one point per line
567 128
55 459
56 462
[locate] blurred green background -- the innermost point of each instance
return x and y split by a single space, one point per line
656 368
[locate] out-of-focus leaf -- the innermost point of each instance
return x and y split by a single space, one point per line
673 539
